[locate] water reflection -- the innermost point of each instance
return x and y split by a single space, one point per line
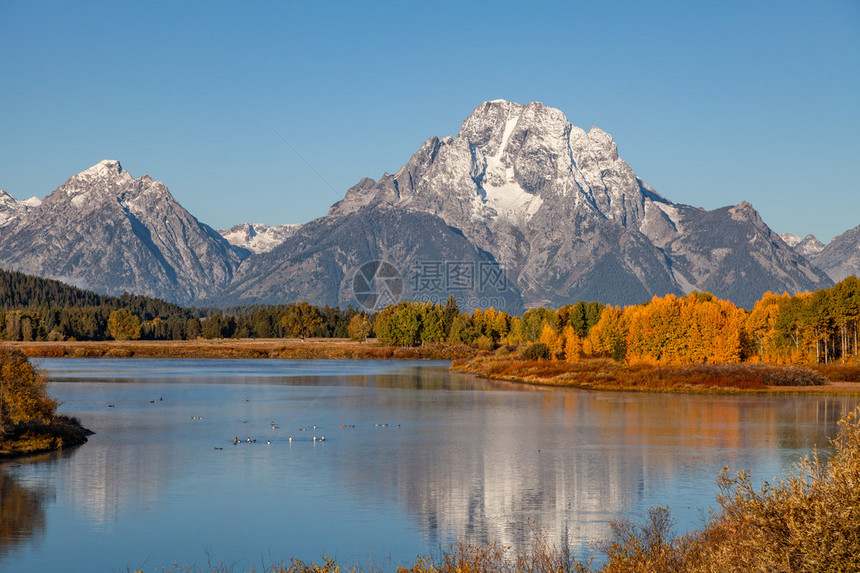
22 510
576 460
460 459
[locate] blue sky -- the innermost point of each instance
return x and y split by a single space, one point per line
710 103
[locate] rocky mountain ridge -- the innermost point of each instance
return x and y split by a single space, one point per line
840 258
570 219
257 237
808 246
105 230
12 209
519 209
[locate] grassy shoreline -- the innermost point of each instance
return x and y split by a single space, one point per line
604 374
594 374
38 438
284 348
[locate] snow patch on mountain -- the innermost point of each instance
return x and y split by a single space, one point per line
807 246
11 209
790 239
257 237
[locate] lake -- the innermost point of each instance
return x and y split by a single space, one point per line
415 457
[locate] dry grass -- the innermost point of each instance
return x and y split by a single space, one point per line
604 374
318 348
840 372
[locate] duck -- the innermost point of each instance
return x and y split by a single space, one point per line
235 440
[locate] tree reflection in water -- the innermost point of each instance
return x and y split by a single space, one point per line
22 510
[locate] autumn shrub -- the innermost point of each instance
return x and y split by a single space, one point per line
484 342
645 546
808 520
840 372
23 392
536 351
790 376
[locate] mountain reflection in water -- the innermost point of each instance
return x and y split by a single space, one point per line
434 457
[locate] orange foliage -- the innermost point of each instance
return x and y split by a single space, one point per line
572 344
552 340
694 329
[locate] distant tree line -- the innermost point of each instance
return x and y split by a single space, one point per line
807 328
33 308
818 327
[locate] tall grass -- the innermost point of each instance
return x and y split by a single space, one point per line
605 374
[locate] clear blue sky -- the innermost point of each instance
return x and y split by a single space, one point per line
710 103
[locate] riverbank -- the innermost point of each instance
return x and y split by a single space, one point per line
592 374
285 348
38 437
604 374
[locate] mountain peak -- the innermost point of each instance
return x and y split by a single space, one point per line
12 209
743 211
103 168
807 246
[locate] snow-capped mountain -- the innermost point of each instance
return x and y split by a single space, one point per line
519 209
569 219
105 230
808 246
257 237
12 210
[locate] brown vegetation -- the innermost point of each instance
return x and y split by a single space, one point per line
29 423
316 348
606 374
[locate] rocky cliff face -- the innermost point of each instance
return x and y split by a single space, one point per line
107 231
519 192
841 257
570 219
12 210
320 264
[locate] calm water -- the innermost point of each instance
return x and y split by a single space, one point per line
459 460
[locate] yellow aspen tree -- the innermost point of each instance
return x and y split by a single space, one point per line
572 344
549 337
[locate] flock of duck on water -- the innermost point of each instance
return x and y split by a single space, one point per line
249 440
